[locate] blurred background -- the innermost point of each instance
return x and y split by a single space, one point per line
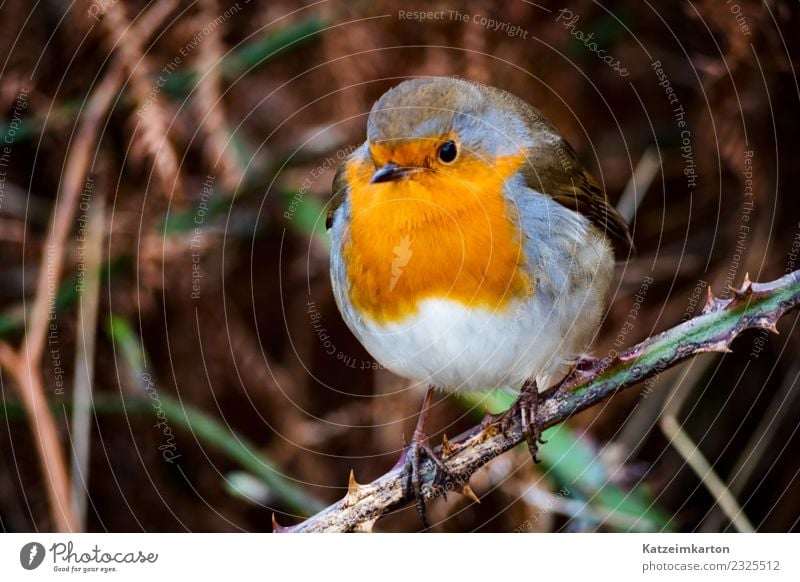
171 356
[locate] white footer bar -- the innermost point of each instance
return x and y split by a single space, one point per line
400 557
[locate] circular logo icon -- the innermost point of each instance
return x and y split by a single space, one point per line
31 555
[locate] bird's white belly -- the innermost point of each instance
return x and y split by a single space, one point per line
456 348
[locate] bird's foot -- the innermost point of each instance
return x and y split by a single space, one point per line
526 407
412 461
412 482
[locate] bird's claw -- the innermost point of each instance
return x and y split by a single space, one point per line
526 407
412 482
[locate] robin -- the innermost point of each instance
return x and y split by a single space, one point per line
470 249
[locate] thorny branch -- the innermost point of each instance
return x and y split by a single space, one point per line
753 306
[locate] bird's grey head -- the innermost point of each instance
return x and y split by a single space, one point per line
482 121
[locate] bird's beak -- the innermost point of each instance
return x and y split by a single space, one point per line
390 172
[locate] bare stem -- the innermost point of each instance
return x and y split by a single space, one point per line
24 364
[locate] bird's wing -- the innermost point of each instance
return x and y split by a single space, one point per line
556 172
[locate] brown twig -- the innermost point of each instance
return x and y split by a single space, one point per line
752 306
24 366
208 104
71 187
86 342
151 131
43 427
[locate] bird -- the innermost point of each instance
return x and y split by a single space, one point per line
470 249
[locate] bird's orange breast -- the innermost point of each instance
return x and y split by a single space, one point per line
436 234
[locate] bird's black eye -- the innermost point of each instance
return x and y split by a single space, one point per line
448 151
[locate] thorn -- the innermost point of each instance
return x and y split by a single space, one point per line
467 492
766 323
488 431
365 526
276 527
447 446
710 301
720 346
747 288
353 489
352 484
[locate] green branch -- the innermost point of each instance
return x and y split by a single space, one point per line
752 306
